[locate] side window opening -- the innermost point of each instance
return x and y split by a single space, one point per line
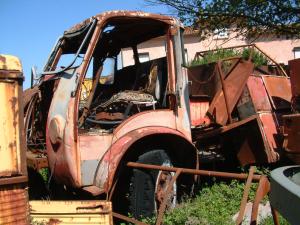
144 57
109 67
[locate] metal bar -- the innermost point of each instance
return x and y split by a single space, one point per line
262 190
164 203
213 50
239 220
244 46
93 24
125 218
13 180
275 216
238 176
278 65
222 78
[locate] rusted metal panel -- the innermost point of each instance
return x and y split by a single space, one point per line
254 98
92 147
163 118
233 85
269 133
198 111
295 83
291 131
138 14
14 207
203 80
110 161
12 152
72 212
279 91
258 94
295 76
36 160
245 105
63 155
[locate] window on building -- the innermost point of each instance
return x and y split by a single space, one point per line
221 34
186 56
144 57
296 52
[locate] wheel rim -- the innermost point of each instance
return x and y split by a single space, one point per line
162 183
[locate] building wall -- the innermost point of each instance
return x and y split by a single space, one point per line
280 49
155 48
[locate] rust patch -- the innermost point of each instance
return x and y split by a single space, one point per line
54 221
14 208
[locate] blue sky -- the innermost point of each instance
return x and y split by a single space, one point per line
29 28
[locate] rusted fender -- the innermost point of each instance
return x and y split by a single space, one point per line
110 161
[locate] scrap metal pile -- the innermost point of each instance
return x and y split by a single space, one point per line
243 106
99 135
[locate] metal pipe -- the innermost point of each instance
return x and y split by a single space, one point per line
239 220
166 197
270 58
128 219
239 176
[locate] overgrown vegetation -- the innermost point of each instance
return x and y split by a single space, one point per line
44 172
213 56
214 205
257 58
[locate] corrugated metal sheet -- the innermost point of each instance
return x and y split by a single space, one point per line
72 212
14 207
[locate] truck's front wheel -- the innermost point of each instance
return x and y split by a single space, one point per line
148 187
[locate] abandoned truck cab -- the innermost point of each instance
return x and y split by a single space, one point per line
98 115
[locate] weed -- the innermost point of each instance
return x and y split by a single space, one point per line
44 172
213 205
213 56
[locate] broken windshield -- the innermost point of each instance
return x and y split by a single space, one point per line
70 48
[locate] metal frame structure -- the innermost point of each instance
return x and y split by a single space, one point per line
262 190
251 47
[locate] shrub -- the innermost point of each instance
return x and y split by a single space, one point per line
213 56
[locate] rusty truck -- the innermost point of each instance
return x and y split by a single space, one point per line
156 112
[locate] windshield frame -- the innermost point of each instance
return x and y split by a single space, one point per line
57 51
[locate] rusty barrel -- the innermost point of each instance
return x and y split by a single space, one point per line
13 173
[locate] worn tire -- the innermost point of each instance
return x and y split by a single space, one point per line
143 184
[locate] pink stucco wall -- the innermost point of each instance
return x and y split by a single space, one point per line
280 49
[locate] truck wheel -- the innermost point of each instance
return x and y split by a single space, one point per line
148 187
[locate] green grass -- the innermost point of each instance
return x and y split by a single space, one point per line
214 205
